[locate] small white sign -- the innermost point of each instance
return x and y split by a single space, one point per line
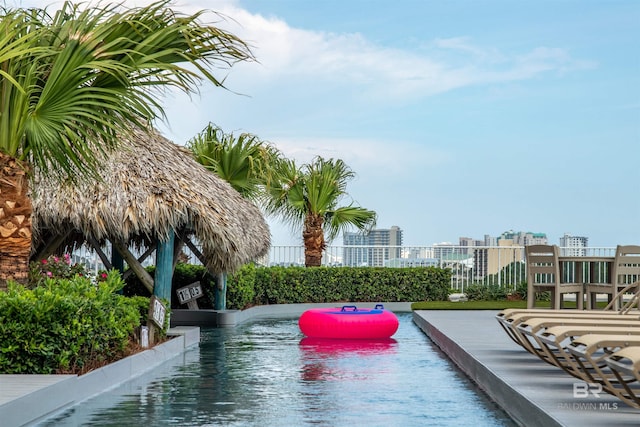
184 295
189 292
157 312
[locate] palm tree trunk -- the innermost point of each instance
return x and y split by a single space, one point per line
313 237
15 221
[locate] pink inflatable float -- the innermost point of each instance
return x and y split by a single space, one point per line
349 322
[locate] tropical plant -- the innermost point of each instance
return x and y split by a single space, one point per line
72 82
66 325
245 161
308 197
54 267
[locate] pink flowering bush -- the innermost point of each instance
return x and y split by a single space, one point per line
54 267
101 276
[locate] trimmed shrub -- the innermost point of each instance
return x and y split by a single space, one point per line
479 292
482 292
242 293
286 285
253 285
65 325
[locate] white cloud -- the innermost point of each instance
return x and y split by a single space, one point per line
349 64
288 56
317 72
395 158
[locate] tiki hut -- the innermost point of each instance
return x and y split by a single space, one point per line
151 191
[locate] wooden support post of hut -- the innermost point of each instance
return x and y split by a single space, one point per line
221 292
117 261
164 268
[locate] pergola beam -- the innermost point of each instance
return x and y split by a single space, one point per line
51 246
135 265
103 257
144 256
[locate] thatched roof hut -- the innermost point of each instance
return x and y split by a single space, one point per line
150 188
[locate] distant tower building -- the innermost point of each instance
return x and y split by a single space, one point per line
573 245
443 250
490 240
535 239
524 238
489 260
466 242
380 245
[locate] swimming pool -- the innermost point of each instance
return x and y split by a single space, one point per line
265 372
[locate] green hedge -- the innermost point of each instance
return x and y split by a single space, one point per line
253 285
65 325
285 285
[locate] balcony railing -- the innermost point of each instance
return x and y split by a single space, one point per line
501 266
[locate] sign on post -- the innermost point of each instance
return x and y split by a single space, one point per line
156 317
189 294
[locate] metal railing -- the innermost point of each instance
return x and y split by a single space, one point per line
501 266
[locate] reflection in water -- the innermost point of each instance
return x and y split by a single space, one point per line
337 347
318 356
265 373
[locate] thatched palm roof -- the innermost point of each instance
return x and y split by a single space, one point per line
151 186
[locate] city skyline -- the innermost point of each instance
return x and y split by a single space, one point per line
539 237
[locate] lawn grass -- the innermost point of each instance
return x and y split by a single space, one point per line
485 305
467 305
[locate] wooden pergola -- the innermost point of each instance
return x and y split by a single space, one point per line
151 194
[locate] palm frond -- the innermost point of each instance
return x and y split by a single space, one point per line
244 161
73 81
347 217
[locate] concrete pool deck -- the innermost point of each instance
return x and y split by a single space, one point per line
531 391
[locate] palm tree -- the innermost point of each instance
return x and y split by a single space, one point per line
71 82
245 162
308 198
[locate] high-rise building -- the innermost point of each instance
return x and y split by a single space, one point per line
523 238
490 240
443 250
380 245
489 260
573 245
466 242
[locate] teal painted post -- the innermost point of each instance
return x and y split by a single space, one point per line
164 268
221 292
117 262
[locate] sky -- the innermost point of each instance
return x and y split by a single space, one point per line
460 118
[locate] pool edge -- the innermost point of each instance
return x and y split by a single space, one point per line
230 318
51 394
521 410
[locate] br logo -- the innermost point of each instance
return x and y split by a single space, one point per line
583 390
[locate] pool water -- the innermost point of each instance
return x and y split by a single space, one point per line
265 373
